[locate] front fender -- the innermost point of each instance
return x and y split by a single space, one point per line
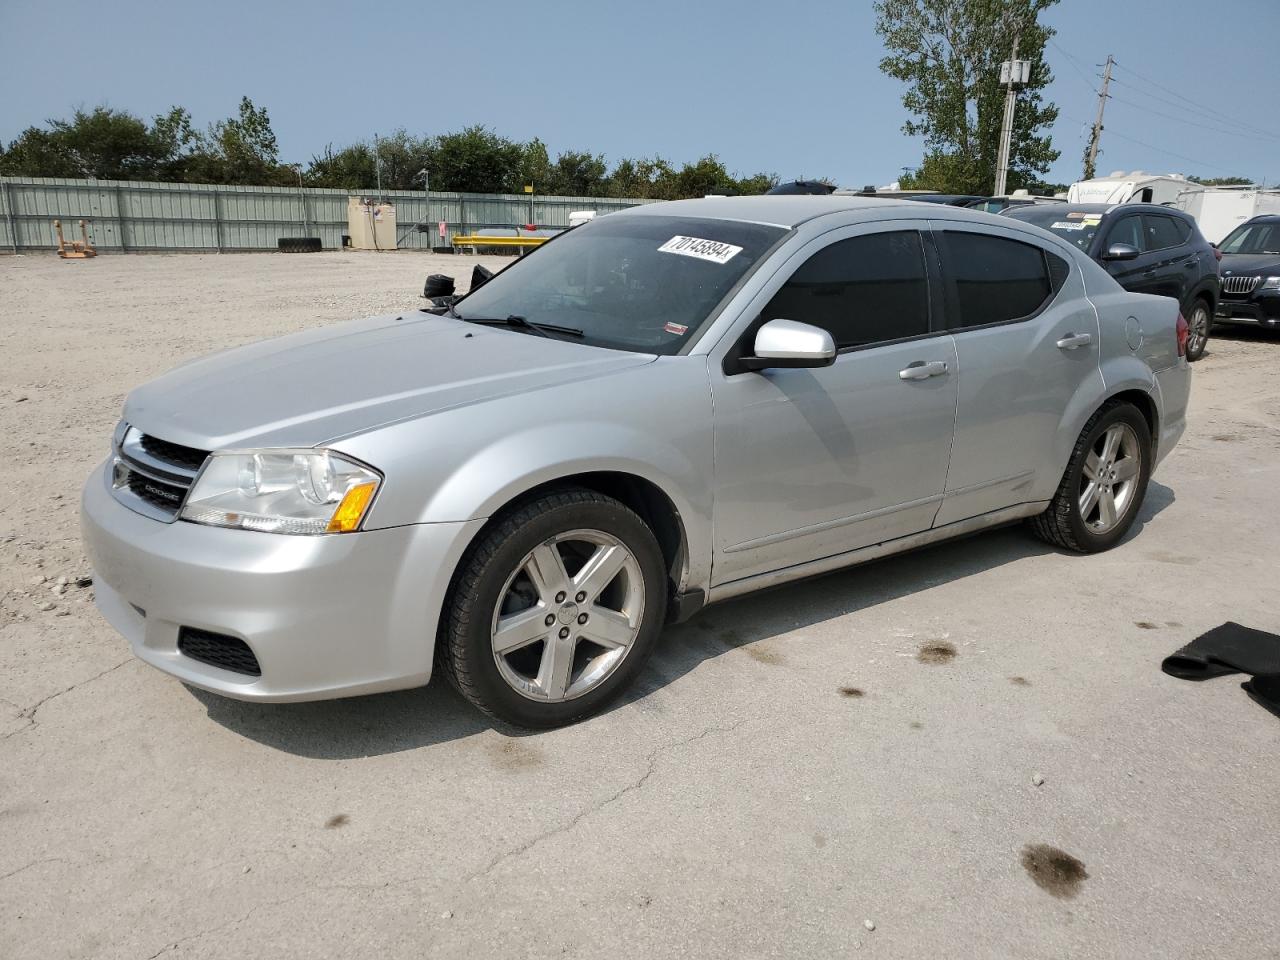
651 422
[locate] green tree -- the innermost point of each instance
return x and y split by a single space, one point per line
948 53
476 160
578 174
1222 181
241 149
102 144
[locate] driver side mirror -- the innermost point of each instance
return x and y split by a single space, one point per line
790 343
1121 251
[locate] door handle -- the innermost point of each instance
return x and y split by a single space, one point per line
1073 340
920 370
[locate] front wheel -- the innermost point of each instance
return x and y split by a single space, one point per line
1104 485
1198 326
554 609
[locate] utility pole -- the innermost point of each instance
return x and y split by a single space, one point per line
1091 159
1006 126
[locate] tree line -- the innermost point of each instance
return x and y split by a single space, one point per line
109 144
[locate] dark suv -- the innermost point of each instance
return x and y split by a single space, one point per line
1251 273
1146 248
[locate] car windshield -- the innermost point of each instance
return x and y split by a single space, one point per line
1253 238
1076 226
642 283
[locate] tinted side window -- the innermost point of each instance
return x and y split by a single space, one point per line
1129 230
862 290
1162 232
994 280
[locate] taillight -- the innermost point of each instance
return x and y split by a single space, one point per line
1183 331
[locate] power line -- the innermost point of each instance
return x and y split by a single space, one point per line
1075 64
1264 138
1151 146
1214 110
1182 105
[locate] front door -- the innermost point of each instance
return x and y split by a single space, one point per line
810 463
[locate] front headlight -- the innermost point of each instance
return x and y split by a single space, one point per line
1271 283
282 491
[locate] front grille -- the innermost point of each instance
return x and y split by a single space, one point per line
1239 284
165 496
173 453
152 476
218 650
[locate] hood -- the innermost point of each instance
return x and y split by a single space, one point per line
1250 264
318 386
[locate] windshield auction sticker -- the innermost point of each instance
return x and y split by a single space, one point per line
712 250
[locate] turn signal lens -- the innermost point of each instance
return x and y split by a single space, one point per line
351 510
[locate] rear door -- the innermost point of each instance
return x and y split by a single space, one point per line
1173 267
811 463
1026 345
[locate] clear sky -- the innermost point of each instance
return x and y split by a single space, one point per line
792 89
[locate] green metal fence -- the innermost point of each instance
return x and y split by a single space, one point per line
139 216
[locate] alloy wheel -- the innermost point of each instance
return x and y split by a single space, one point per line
1198 333
568 615
1109 481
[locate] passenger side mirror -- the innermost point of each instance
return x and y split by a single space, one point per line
790 343
1121 251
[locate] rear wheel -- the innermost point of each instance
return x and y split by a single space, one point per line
1104 485
1198 325
554 609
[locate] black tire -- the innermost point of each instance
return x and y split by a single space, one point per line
464 651
1062 524
1200 314
298 244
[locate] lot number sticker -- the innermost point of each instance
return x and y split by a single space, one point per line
1067 225
712 250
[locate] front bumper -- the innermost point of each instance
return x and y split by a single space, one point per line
326 616
1261 309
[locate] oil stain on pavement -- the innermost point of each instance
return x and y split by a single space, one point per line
1054 871
851 692
936 651
336 821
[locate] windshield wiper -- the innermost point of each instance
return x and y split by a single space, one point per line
520 323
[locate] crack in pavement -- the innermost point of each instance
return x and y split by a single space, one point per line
229 923
33 863
29 714
652 764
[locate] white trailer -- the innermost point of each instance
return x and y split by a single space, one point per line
1137 186
1219 210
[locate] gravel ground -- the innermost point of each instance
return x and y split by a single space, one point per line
969 751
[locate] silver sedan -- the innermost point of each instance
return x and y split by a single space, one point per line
658 410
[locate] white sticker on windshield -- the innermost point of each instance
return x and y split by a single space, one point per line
1066 225
712 250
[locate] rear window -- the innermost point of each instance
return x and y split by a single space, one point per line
1074 226
993 280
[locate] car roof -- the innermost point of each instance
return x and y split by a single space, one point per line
784 211
1265 218
1098 208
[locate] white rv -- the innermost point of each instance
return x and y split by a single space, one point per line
1219 210
1135 187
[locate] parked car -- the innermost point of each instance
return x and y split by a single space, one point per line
1147 249
1017 198
1251 273
663 408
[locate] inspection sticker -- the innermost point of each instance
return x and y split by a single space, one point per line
679 329
1066 225
712 250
